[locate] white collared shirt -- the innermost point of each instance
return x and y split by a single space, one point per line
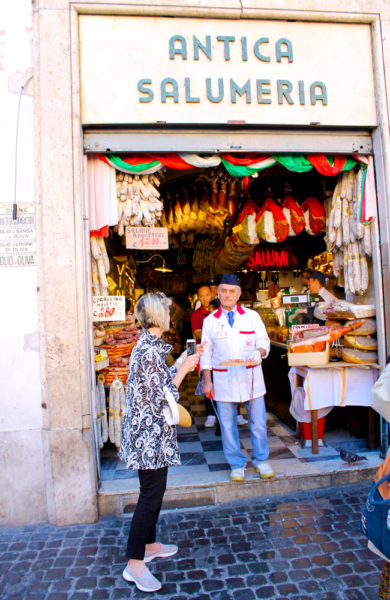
222 342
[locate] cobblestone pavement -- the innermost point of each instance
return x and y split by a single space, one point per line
301 546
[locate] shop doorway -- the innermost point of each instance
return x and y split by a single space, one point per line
198 252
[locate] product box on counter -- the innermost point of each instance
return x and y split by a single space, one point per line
308 359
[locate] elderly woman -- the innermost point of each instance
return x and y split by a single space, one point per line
149 444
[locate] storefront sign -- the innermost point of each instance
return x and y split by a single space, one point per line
108 308
186 70
147 238
272 258
17 237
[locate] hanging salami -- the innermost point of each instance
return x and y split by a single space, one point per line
348 238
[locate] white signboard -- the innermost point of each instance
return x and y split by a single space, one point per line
108 308
147 238
298 328
183 70
17 237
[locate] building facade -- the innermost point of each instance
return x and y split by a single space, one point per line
67 110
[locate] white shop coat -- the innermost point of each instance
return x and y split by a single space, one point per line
234 384
328 298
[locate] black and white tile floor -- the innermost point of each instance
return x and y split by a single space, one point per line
203 461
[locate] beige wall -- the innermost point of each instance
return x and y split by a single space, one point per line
64 296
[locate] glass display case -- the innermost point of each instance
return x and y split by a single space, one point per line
274 320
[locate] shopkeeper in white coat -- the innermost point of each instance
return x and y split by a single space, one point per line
235 332
317 286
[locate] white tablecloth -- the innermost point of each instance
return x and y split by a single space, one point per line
335 386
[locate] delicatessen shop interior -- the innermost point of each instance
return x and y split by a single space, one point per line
175 222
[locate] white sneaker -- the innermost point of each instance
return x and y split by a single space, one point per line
145 581
241 421
237 475
265 470
210 421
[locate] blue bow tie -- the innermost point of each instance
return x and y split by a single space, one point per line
231 317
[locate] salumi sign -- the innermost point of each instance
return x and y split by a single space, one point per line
156 69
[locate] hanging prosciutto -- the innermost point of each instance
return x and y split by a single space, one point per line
247 220
314 214
294 215
272 225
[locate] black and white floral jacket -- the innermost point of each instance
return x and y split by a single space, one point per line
148 442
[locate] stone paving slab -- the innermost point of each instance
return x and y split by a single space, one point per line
300 546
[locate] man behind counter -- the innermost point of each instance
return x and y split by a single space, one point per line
317 286
235 332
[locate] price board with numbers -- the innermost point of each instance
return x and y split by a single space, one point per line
108 308
147 238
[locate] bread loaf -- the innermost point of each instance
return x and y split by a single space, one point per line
368 327
352 355
361 342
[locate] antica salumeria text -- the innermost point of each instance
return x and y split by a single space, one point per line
285 89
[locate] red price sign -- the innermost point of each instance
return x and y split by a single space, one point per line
108 308
147 238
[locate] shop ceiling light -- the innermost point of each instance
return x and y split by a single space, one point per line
162 269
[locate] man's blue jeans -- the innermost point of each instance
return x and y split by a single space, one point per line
257 417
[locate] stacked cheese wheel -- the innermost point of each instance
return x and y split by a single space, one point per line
359 345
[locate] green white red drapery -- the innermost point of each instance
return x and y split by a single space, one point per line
145 164
328 165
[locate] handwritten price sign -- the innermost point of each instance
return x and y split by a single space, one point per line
304 327
147 238
108 308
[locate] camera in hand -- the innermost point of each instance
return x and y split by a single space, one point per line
191 347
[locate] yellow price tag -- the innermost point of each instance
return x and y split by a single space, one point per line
237 228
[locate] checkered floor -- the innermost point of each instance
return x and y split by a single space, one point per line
203 460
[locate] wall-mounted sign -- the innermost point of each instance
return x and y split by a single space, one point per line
185 70
108 308
272 258
17 237
147 238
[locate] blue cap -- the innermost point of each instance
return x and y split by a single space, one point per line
230 279
319 276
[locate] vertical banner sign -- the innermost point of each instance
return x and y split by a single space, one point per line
108 308
117 278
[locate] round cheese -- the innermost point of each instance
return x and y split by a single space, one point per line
353 355
361 342
368 327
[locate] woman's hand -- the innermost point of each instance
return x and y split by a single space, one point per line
190 362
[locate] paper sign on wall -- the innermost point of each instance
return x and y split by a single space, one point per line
108 308
147 238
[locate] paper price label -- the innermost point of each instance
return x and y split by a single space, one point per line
108 308
147 238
